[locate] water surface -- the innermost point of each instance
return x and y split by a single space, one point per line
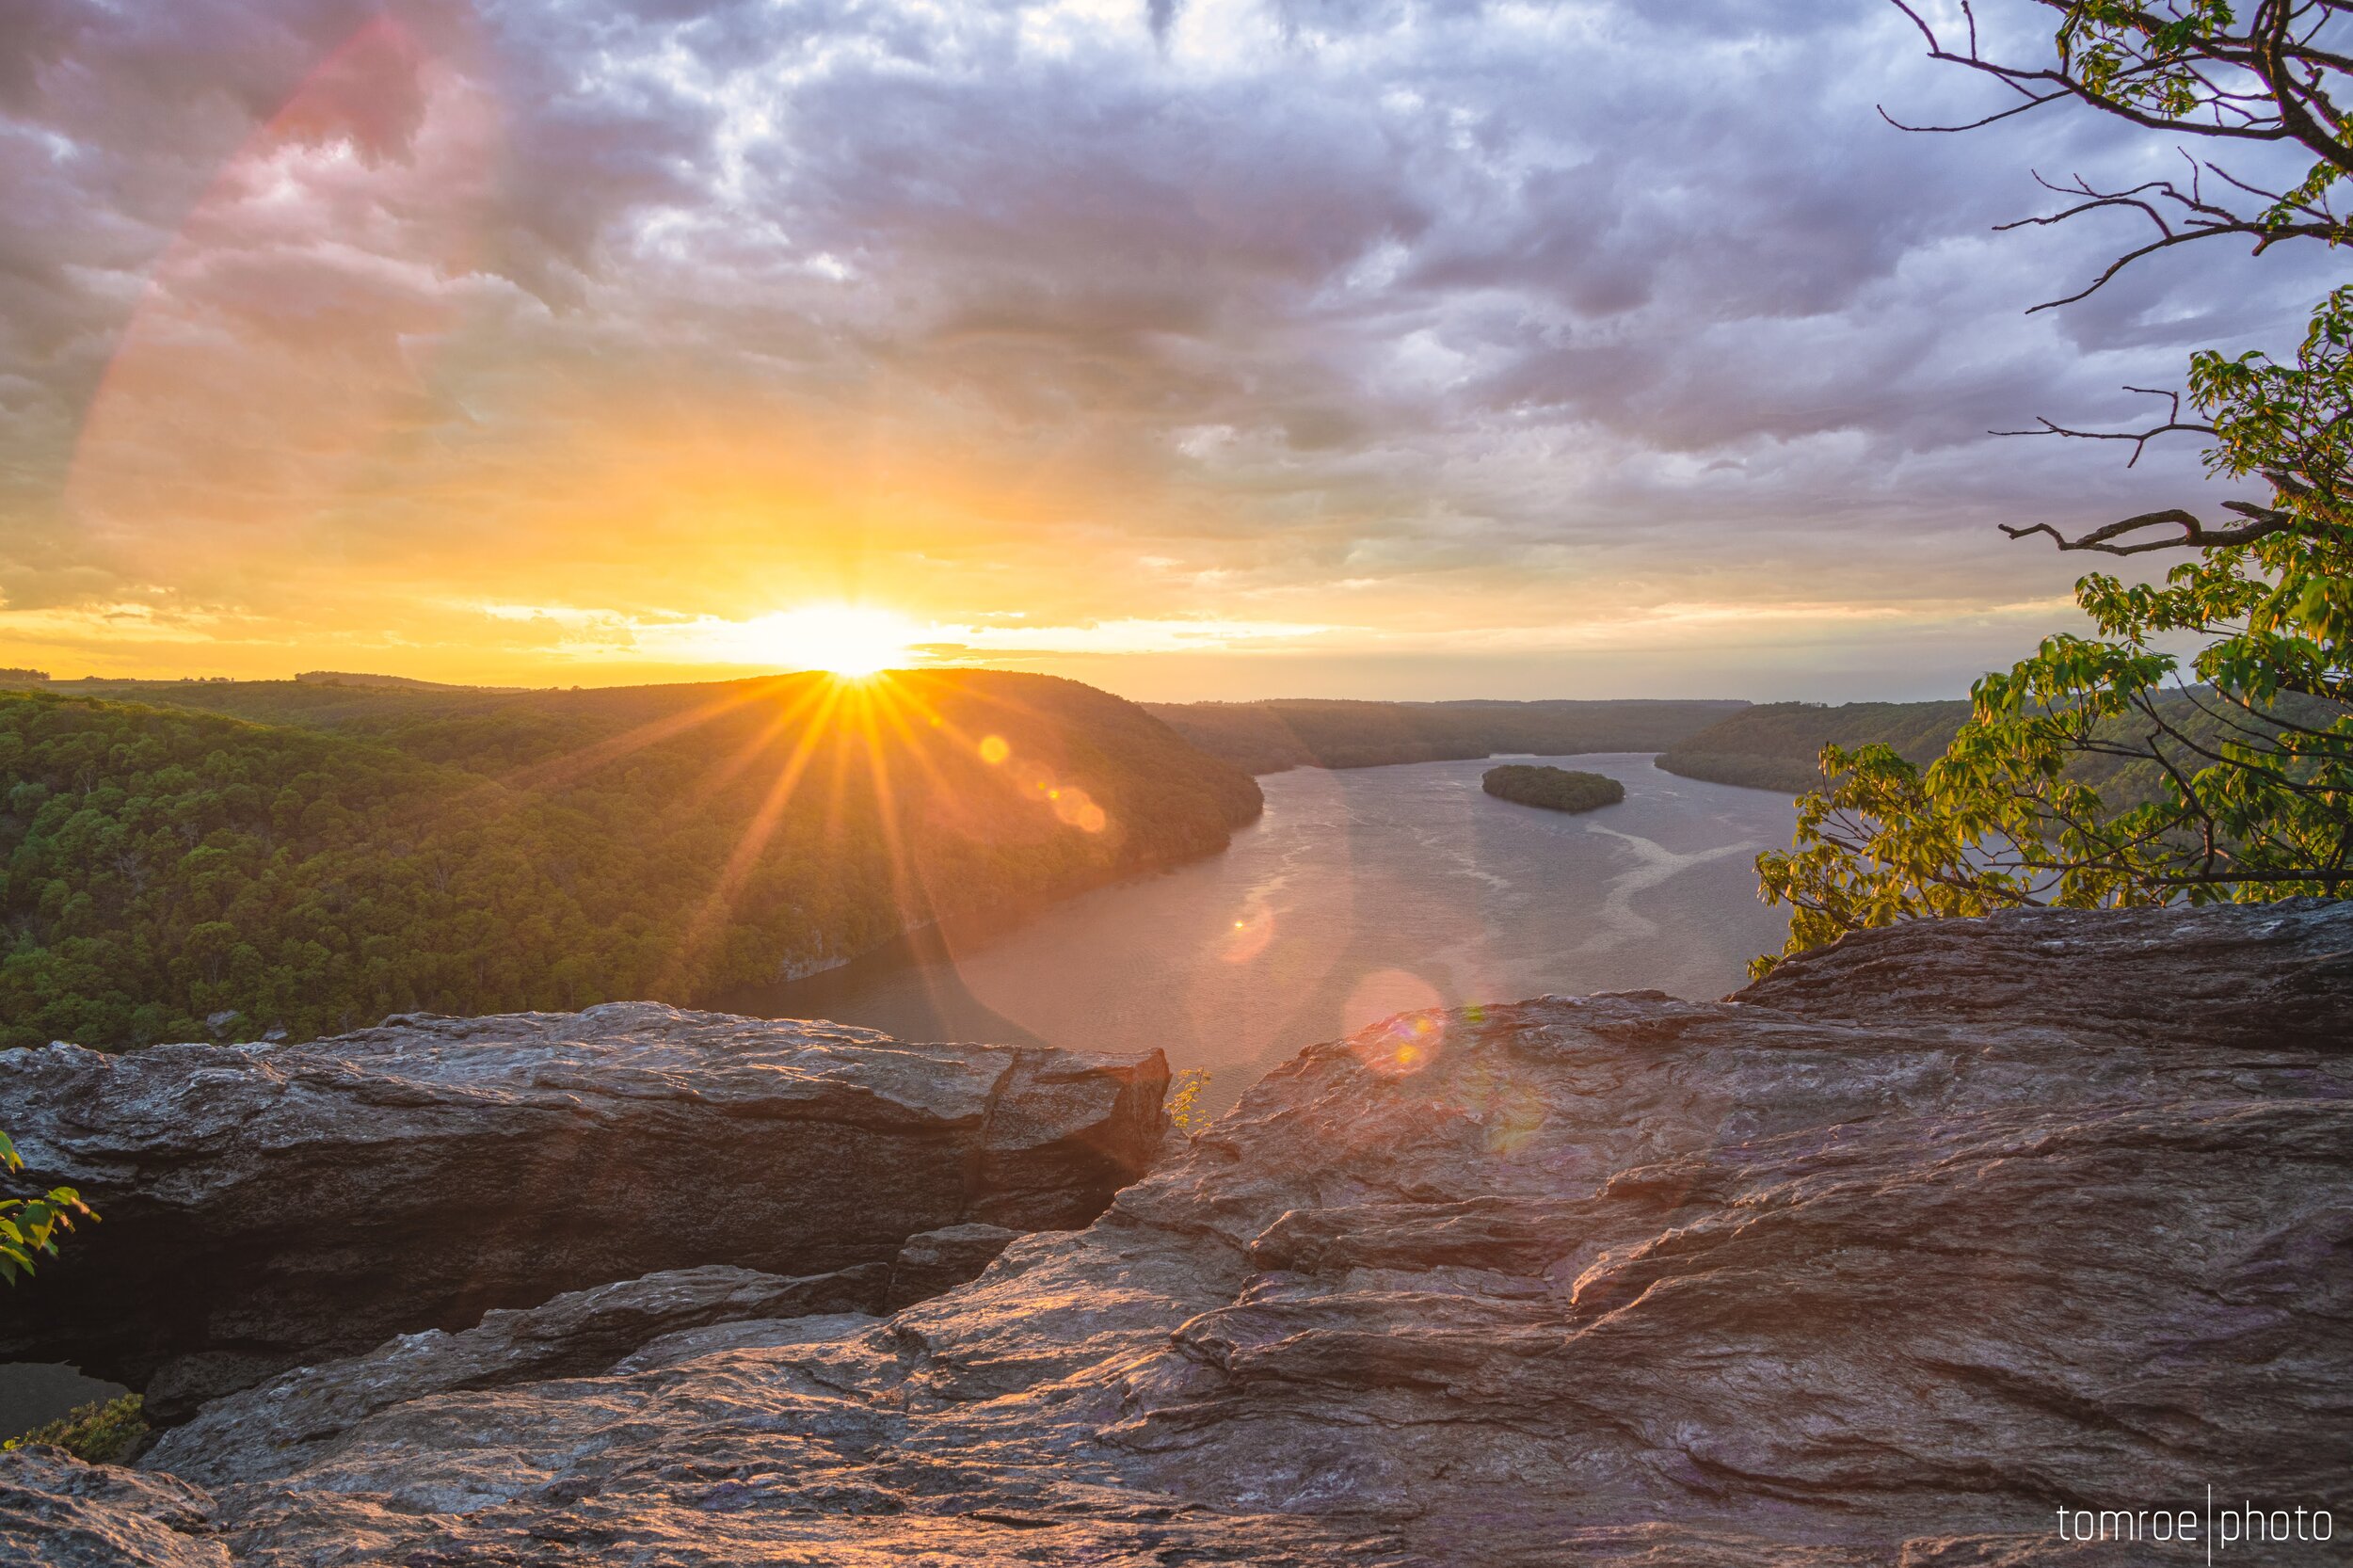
1359 894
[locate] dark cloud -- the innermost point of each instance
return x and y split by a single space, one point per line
1392 285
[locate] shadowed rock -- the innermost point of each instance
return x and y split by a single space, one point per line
939 1260
1614 1280
269 1206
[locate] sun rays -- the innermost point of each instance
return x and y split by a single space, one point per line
908 763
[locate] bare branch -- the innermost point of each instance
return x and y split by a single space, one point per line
2198 218
2195 535
2174 425
2274 82
1973 124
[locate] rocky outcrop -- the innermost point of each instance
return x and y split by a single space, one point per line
657 1320
2240 978
269 1205
58 1513
267 1429
1885 1272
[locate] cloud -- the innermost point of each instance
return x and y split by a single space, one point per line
1493 318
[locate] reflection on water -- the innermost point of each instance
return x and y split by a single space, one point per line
1360 894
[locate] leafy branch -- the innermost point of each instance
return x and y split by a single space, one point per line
1184 1101
29 1227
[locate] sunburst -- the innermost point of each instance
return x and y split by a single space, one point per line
855 641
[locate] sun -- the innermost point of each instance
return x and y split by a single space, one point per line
844 639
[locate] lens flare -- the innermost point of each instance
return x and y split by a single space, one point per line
1410 1026
283 353
1250 934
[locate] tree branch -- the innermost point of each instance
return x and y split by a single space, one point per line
2194 535
2174 425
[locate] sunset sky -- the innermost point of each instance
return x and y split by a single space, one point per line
1205 350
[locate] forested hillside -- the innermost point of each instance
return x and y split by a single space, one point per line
1776 746
311 856
1301 732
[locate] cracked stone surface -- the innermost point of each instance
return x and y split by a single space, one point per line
1879 1262
264 1431
57 1512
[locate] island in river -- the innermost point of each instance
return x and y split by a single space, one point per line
1553 789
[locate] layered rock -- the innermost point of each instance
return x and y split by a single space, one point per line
267 1430
265 1206
2221 977
1875 1272
58 1513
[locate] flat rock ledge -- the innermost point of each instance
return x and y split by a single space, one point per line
266 1207
1871 1264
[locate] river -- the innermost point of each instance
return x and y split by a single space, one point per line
1359 894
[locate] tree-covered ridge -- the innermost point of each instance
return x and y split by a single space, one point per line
381 851
1314 732
1554 789
1777 746
1780 745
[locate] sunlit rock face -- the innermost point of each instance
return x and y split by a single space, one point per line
1884 1270
265 1206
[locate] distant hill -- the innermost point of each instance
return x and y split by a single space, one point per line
402 682
1304 732
1776 746
311 856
